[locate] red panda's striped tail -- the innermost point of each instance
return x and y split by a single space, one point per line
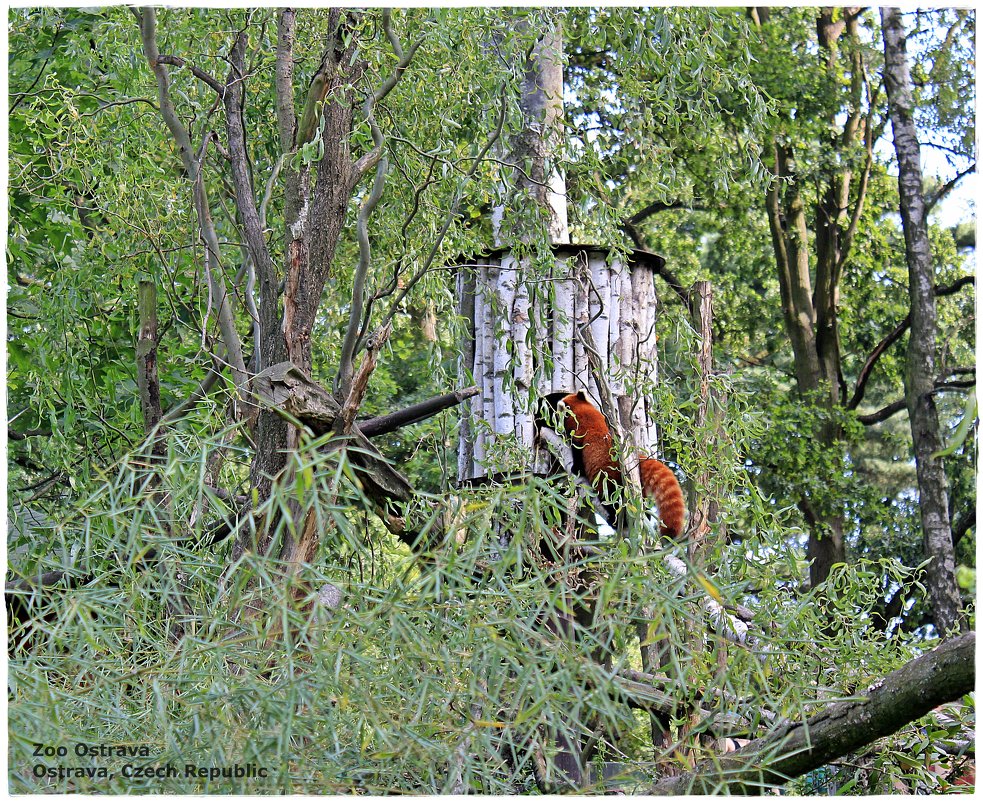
660 484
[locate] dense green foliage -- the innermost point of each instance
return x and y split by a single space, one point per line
439 673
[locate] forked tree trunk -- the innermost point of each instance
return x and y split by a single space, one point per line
809 309
920 372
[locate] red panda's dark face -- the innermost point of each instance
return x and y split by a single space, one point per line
568 410
567 415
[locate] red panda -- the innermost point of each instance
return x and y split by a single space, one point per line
590 433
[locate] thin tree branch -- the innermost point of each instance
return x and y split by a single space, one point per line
865 371
452 212
883 414
219 293
359 384
899 405
945 189
894 336
177 61
346 364
370 159
657 207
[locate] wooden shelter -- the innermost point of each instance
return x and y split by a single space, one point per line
530 333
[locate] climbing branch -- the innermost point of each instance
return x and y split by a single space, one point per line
289 390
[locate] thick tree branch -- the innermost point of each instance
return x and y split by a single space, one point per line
899 405
876 353
285 114
414 414
286 388
938 677
252 224
883 413
177 61
359 384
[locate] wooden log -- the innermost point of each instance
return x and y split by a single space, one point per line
643 299
290 390
581 367
466 370
563 321
619 273
627 349
504 420
482 377
599 305
522 361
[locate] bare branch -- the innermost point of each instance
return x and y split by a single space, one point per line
883 414
452 212
370 159
415 413
177 61
900 405
890 339
199 392
346 417
658 207
865 371
217 288
941 193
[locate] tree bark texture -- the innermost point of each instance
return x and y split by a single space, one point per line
920 370
938 677
526 346
314 214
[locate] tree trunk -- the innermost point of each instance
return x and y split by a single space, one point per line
536 148
920 370
313 221
810 311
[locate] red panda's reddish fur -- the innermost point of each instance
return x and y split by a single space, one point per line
589 430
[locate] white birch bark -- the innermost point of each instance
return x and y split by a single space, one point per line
466 368
563 321
522 366
504 420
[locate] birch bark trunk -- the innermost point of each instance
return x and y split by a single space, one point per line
920 371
